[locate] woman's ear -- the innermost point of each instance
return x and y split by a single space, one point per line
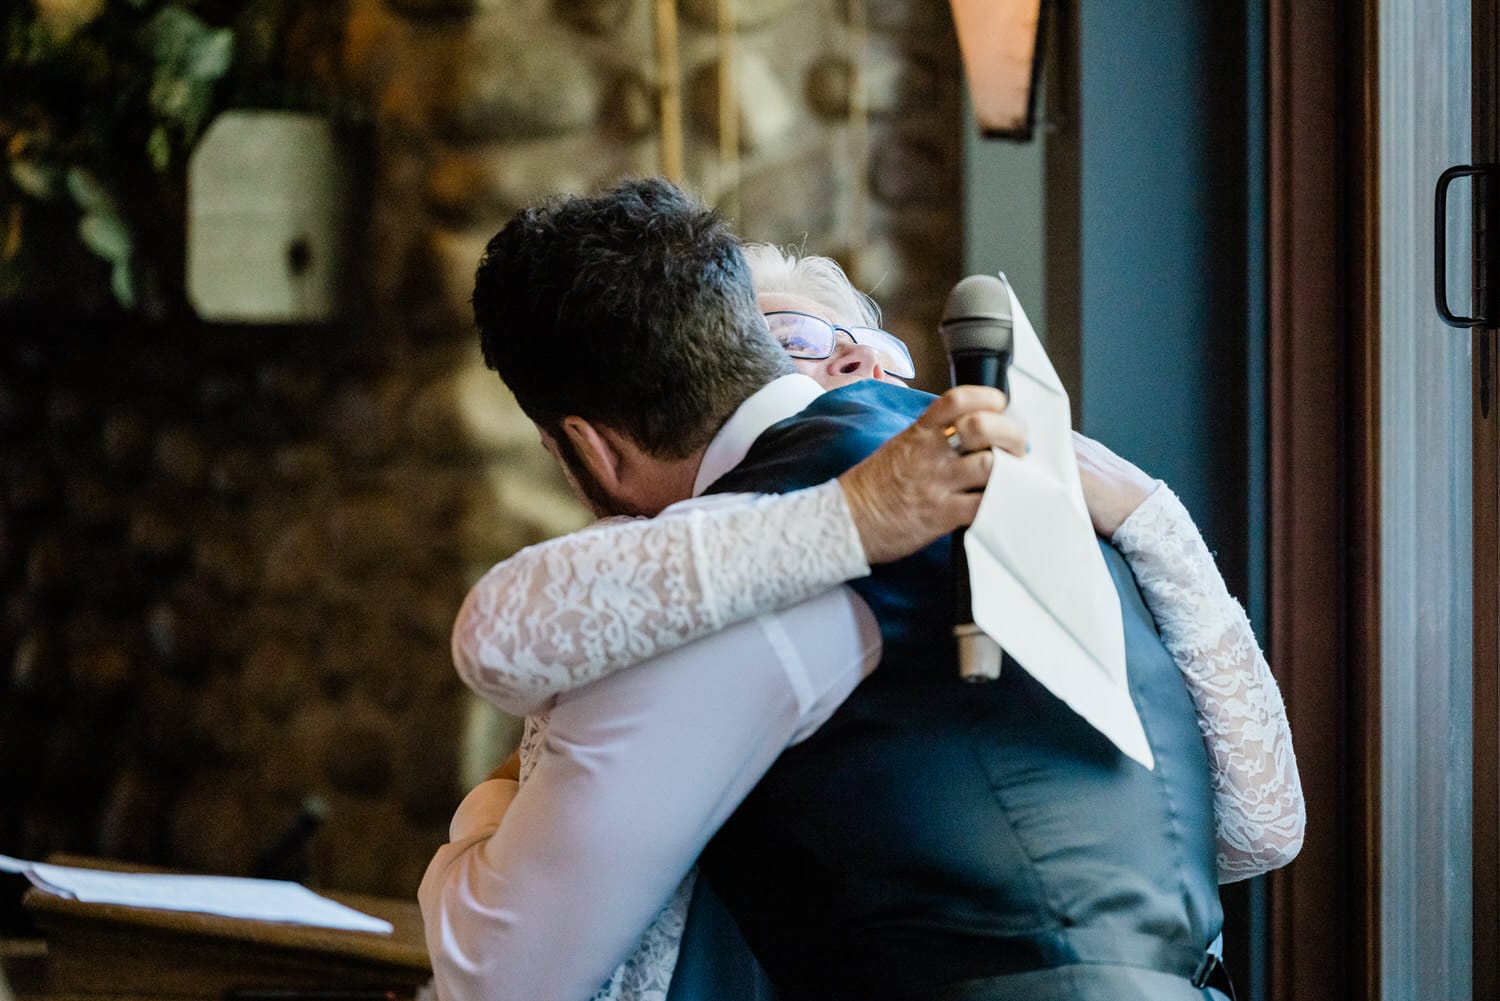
596 451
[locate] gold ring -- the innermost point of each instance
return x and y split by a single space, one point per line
954 441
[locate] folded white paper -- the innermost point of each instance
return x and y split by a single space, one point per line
228 896
1041 587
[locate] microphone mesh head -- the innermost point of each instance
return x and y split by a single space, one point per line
977 315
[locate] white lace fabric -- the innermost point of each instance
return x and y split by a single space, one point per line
570 611
1257 793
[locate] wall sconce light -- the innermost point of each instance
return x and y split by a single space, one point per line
1001 45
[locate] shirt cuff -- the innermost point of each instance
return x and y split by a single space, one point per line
482 809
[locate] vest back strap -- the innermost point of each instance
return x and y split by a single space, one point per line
1082 947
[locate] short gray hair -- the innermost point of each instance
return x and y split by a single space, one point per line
774 269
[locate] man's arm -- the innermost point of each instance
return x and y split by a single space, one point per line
637 772
570 611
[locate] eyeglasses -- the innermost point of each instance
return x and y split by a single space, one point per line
806 336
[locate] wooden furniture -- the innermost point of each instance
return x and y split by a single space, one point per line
106 952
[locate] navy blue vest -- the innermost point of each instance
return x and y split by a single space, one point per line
935 831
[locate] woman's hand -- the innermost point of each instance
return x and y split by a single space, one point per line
1112 487
918 487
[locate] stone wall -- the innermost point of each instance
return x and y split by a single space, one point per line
231 560
231 557
484 105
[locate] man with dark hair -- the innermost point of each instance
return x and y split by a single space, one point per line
685 333
932 839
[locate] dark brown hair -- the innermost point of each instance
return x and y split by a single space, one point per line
632 308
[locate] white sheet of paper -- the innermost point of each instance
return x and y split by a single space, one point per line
228 896
1041 587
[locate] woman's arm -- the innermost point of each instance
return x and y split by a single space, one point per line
1258 803
567 612
559 615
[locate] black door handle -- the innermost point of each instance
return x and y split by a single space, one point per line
1484 258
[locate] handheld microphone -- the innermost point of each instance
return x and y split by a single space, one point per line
977 330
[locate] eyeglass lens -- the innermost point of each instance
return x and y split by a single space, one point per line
812 337
801 335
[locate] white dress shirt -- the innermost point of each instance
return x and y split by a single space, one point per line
636 772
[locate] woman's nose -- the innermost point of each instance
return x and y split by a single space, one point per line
849 358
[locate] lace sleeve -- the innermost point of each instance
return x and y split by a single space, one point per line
1257 793
569 611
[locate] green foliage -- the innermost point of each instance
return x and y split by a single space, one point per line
103 100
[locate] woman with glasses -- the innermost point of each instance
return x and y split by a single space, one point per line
830 329
568 612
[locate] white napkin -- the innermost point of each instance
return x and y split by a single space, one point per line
1041 587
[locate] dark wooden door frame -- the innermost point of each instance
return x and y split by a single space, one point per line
1486 858
1324 484
1486 440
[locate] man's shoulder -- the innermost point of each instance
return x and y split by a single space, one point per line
871 395
834 432
861 409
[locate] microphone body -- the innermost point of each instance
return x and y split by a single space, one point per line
981 368
978 332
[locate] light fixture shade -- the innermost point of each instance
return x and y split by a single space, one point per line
1000 41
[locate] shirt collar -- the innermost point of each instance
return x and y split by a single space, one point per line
774 402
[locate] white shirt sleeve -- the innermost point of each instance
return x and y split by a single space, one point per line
1258 807
636 773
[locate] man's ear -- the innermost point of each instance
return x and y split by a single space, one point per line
597 451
